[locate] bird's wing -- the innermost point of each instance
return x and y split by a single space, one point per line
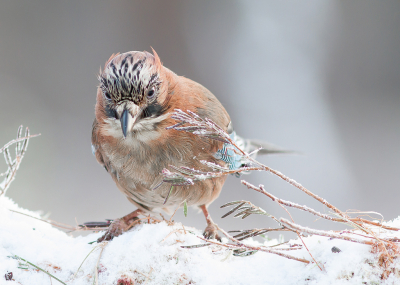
95 144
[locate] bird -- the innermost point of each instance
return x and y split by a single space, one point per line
132 140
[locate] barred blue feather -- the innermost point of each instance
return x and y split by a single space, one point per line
253 147
228 155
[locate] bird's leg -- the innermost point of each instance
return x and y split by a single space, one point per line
132 216
119 226
211 231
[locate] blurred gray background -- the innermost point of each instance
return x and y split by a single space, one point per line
320 77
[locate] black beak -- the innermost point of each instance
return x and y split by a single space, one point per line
125 121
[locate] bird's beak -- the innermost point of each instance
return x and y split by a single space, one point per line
127 121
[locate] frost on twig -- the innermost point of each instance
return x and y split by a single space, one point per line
198 126
364 231
245 209
21 144
192 123
375 235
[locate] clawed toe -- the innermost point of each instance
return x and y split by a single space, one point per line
116 228
211 232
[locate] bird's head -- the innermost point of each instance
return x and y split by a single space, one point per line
131 90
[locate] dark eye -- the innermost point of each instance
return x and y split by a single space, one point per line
151 93
108 96
110 112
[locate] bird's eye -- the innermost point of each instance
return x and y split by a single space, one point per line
108 96
150 93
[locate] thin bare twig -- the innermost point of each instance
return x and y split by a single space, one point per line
37 267
53 223
17 140
174 231
265 249
13 165
148 276
298 233
96 269
85 259
322 233
262 190
191 122
170 219
247 210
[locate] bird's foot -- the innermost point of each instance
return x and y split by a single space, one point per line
211 232
119 226
116 228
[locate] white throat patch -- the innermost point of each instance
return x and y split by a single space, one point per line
143 130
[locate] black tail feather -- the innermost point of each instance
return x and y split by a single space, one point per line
251 145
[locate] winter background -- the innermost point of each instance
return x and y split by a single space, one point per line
319 77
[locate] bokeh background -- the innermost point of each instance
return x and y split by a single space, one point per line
319 77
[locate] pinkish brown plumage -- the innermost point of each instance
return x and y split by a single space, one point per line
135 100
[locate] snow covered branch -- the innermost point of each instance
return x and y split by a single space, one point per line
21 144
364 231
160 251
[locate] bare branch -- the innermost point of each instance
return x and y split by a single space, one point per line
265 249
13 164
330 234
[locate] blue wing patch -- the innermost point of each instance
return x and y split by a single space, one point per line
228 155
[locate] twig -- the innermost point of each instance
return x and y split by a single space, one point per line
135 221
323 233
298 234
17 140
265 249
148 276
191 122
13 165
175 211
53 223
288 203
174 231
247 210
37 267
256 232
96 269
262 190
84 260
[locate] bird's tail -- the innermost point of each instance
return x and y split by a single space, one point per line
255 147
252 147
261 147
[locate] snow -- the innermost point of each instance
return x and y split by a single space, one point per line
152 254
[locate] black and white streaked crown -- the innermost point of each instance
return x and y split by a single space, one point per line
129 76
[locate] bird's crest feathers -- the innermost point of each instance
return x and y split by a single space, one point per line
130 75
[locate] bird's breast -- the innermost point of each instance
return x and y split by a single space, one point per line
136 163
